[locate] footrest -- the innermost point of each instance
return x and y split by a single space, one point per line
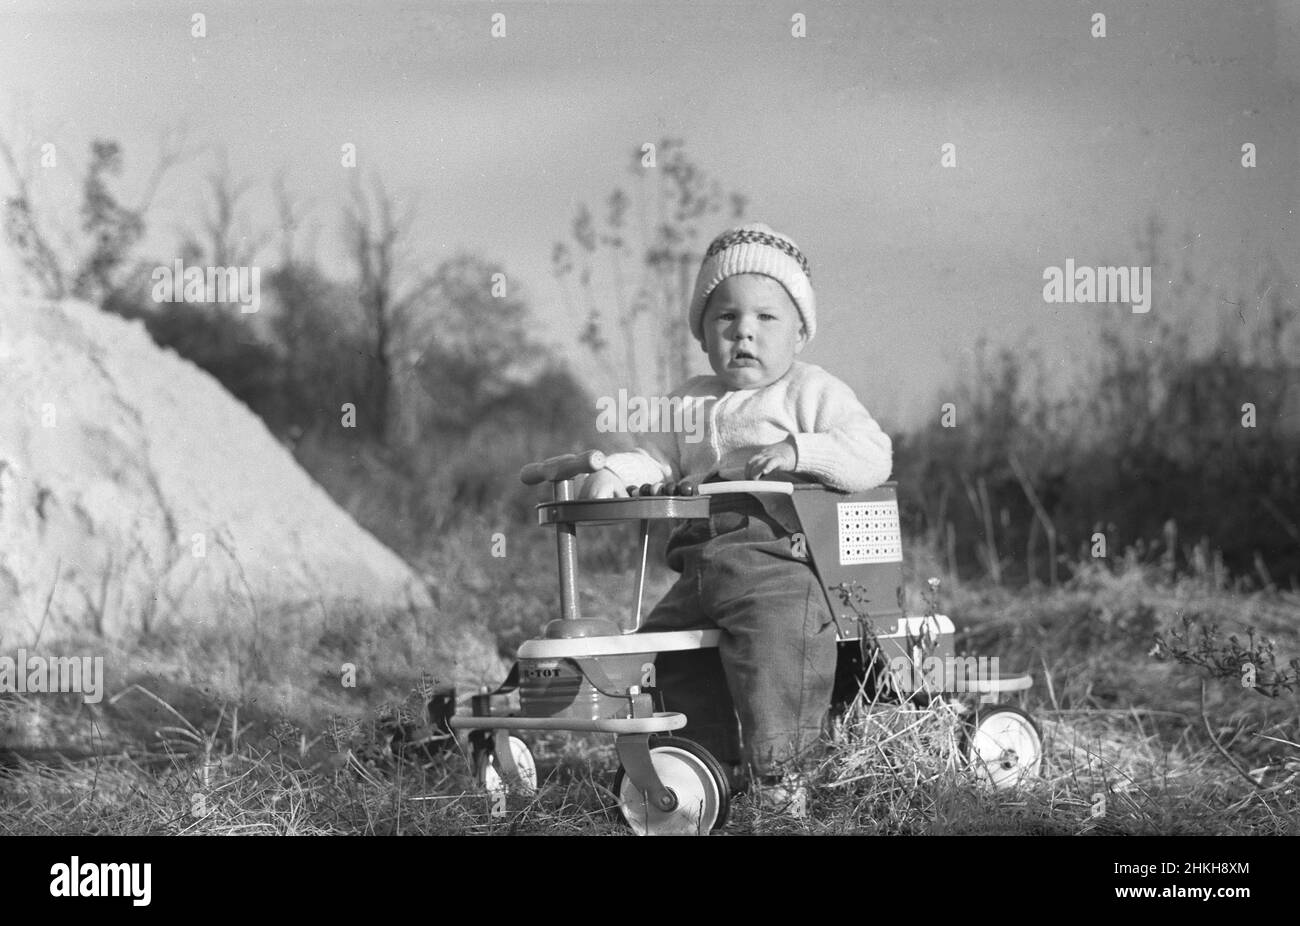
997 685
659 723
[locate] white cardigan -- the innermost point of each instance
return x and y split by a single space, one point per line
838 443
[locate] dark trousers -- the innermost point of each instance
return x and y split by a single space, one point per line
774 667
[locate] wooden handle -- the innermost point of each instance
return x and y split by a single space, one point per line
565 466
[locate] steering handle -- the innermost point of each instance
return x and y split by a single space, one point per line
677 489
565 466
750 486
648 502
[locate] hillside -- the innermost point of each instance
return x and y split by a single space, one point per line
135 493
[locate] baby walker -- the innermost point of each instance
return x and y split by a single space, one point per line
587 675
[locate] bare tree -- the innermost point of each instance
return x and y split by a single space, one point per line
291 213
93 262
224 236
25 229
377 236
652 279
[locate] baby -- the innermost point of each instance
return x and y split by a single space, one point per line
764 414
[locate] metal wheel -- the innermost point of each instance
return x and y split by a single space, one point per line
489 769
697 781
1003 746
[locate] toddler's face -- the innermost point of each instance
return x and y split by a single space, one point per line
752 331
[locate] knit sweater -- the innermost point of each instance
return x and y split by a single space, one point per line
837 441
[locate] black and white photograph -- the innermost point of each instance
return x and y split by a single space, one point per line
777 420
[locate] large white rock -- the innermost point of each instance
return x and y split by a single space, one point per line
121 463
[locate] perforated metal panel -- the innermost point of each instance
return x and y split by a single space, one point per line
869 533
855 542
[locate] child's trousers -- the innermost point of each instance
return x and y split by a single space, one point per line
777 651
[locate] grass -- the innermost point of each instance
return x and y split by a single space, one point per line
197 737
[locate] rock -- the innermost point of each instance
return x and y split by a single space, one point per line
136 492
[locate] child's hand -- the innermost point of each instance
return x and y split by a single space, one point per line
778 457
602 484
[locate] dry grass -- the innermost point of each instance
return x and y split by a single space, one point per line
170 751
891 771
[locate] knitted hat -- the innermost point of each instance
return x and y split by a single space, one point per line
754 248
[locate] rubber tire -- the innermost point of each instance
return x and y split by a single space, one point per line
712 765
488 773
982 714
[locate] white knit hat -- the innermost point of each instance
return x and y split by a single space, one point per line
754 248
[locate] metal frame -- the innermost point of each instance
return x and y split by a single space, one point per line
633 733
659 722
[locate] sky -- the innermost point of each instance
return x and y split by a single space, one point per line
1066 144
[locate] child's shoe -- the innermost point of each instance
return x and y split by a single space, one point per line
785 794
737 778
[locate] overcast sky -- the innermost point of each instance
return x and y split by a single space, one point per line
1065 143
